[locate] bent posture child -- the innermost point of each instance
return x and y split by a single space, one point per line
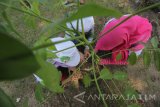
68 57
76 25
126 38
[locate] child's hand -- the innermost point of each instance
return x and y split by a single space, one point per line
72 69
86 53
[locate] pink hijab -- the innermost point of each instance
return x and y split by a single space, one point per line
135 30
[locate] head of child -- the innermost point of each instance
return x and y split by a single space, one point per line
67 53
88 24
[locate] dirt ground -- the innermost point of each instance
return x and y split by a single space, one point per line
144 81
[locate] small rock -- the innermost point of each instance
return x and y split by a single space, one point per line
18 100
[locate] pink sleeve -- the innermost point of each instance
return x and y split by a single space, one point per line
112 40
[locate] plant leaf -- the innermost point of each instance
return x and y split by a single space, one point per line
16 60
38 93
45 53
134 105
154 42
87 80
119 57
51 48
146 58
51 55
106 74
130 93
5 101
120 75
41 52
132 58
50 75
93 10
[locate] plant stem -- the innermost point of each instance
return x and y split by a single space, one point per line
95 78
106 83
29 13
50 44
154 49
42 46
84 38
23 11
83 62
93 66
70 47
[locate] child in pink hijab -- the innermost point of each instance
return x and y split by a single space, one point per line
126 38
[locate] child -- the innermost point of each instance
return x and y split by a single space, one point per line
88 24
69 58
66 59
126 38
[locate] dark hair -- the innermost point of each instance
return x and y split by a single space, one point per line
104 54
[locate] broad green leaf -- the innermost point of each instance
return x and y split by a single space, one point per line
132 58
41 52
16 60
51 48
38 93
50 75
134 105
5 101
106 74
146 58
119 57
119 75
87 80
157 59
51 55
154 42
45 53
93 10
130 93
